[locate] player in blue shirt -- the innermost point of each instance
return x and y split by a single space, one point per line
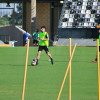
26 35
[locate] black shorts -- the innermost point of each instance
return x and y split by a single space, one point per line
35 41
43 48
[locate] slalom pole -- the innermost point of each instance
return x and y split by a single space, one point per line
98 69
66 72
25 71
70 69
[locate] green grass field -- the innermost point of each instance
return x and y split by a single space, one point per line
44 81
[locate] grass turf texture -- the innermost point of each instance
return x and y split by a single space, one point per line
44 81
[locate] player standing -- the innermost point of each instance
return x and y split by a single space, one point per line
43 44
35 38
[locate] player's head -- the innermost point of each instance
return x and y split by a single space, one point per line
37 30
43 28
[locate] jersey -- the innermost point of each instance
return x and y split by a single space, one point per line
99 39
25 36
43 36
35 36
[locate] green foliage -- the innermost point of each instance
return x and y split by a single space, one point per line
6 20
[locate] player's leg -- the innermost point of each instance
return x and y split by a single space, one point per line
25 43
33 42
38 55
37 43
39 52
48 53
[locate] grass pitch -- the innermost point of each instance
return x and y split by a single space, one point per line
44 81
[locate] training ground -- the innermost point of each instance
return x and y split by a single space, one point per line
43 81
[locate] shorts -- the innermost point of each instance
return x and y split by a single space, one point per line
35 41
43 48
24 42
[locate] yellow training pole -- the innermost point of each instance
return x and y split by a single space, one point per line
98 69
25 70
66 73
70 69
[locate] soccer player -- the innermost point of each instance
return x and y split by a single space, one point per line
43 44
35 38
26 35
99 49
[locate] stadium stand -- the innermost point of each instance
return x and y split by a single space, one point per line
79 19
80 14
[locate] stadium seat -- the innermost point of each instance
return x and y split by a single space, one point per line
86 24
92 20
87 16
88 12
91 24
64 24
69 24
66 16
67 11
95 3
71 15
83 7
92 15
82 11
98 11
86 20
84 4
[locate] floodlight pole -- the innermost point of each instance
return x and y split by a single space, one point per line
70 69
25 71
98 69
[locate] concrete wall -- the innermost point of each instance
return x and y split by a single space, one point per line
43 16
14 34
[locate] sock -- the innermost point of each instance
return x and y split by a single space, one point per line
37 61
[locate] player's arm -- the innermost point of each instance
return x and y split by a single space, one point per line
29 36
33 34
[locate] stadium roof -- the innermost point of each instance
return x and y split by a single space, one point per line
3 1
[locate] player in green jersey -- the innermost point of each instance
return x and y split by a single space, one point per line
43 44
35 38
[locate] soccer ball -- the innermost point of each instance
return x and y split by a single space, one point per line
33 63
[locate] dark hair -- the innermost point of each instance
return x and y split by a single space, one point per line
43 27
37 30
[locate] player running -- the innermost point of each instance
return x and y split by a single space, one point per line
43 44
